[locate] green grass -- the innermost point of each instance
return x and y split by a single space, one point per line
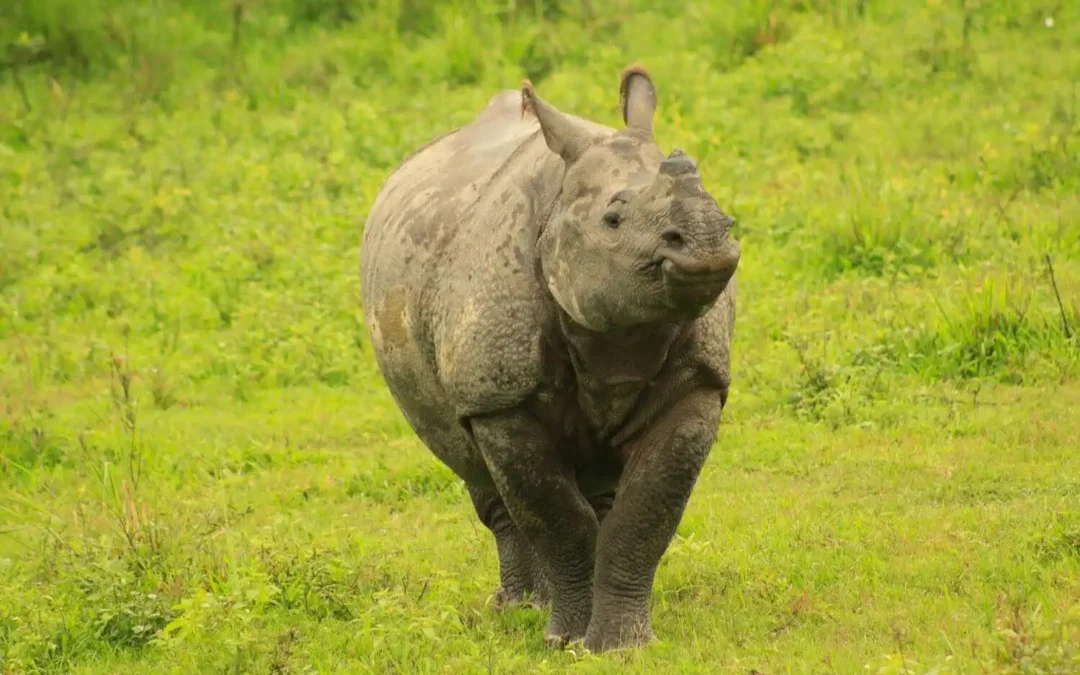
202 471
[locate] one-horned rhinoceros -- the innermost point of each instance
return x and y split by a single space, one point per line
550 302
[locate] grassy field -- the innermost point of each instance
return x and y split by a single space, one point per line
202 471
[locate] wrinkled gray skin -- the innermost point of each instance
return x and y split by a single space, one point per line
550 302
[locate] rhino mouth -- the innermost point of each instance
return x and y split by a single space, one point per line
653 267
681 275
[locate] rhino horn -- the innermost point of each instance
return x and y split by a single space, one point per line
678 164
562 135
637 97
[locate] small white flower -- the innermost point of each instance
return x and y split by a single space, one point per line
1049 22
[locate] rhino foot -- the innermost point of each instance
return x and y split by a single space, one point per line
560 640
626 633
504 598
564 628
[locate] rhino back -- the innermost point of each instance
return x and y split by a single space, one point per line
450 293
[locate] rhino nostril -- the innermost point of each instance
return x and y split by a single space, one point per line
672 237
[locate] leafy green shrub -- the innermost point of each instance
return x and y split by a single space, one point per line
1033 644
998 329
75 33
99 36
886 230
27 443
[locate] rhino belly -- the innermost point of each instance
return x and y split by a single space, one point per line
432 418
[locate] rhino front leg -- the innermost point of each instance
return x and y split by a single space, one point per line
549 511
664 465
520 578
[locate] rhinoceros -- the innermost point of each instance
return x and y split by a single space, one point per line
550 302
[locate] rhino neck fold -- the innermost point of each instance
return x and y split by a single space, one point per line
614 369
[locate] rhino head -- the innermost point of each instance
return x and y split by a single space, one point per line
633 238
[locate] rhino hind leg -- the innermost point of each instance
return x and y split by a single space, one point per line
521 581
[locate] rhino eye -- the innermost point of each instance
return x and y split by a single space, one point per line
612 219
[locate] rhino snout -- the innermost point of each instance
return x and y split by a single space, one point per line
693 280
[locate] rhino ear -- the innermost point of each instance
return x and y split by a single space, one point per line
637 95
563 135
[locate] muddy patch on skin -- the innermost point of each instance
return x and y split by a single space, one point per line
392 319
